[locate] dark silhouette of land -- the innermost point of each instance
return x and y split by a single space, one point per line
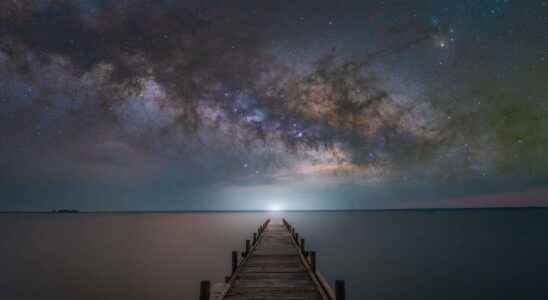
65 211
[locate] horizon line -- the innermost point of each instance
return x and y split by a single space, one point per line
76 211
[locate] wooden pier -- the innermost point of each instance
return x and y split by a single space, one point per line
275 265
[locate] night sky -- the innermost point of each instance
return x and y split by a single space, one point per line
175 105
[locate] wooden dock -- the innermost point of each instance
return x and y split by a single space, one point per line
275 265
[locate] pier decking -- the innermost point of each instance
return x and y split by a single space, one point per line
275 265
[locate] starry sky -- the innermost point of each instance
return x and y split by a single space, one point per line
309 104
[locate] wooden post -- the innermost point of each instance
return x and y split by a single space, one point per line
313 261
234 261
302 246
254 238
205 289
297 237
247 247
340 293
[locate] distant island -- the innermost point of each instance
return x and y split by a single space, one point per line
65 211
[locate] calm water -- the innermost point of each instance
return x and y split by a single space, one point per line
382 255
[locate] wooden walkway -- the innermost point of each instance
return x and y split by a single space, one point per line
276 266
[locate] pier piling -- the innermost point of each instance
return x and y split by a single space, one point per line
312 255
205 290
247 247
234 261
340 293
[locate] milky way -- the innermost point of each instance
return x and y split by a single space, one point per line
266 95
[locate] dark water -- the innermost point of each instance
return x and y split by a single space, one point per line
501 254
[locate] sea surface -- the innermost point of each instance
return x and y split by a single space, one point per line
461 254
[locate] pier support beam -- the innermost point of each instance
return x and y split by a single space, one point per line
247 247
313 261
205 290
234 261
340 293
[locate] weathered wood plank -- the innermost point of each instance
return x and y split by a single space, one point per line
264 279
275 292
